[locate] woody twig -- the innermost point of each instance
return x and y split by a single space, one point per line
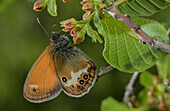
144 38
105 70
129 90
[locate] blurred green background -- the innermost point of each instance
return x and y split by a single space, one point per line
21 42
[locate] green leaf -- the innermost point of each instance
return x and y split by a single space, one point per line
96 16
122 48
90 32
163 67
93 34
97 36
52 7
136 8
142 97
146 79
111 104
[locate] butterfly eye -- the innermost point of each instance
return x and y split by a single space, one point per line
64 79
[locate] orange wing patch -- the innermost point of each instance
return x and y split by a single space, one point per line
42 83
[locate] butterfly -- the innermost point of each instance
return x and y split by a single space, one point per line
60 67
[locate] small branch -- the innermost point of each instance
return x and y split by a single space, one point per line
144 38
128 95
104 70
118 2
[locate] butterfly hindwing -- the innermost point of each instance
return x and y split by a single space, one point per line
76 71
42 83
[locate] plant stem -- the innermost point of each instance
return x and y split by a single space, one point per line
105 70
128 95
118 2
144 38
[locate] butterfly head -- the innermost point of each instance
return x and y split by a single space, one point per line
55 36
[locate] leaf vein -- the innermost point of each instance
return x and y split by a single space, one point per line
124 30
139 52
127 51
118 61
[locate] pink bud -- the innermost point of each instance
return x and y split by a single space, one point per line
87 5
86 15
84 2
73 32
78 36
66 29
39 5
69 23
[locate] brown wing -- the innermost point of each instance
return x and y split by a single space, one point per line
76 72
42 83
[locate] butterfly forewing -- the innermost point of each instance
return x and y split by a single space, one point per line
76 72
42 83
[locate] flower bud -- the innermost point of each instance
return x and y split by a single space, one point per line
86 15
68 24
39 5
87 5
84 2
73 32
163 106
78 36
66 29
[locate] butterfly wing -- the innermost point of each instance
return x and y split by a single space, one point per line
42 83
75 70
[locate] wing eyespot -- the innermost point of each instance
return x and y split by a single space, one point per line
85 76
64 79
81 82
89 70
78 86
72 86
34 90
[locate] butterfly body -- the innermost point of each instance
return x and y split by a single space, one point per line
61 66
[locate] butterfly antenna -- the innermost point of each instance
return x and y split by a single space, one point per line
53 27
42 27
